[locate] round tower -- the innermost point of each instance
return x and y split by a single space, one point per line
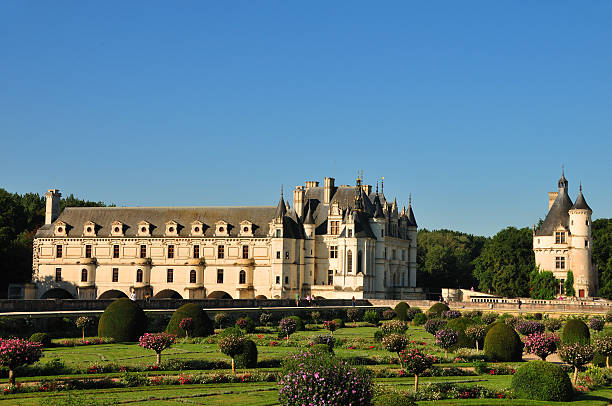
580 263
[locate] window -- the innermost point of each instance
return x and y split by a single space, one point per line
58 274
359 262
586 222
334 228
139 275
278 255
58 251
242 277
115 274
192 276
562 285
393 254
382 233
115 251
219 275
560 262
349 261
350 232
221 251
88 251
286 254
143 251
170 275
170 251
385 253
196 251
560 237
586 243
83 275
333 251
278 280
330 277
286 280
278 233
245 251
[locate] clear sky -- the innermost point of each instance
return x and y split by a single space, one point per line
470 106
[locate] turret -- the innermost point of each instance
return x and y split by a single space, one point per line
309 224
52 210
582 242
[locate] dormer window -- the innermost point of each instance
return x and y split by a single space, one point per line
89 229
559 237
197 228
117 229
60 229
246 228
221 229
144 229
172 228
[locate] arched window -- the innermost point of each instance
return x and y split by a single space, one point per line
139 275
84 275
349 261
192 276
359 262
242 277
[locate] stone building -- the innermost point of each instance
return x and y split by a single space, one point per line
336 242
563 242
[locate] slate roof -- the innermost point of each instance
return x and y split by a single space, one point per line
557 215
76 217
411 219
580 203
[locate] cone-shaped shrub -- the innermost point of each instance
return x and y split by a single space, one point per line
503 344
437 309
201 324
401 311
541 380
575 331
122 320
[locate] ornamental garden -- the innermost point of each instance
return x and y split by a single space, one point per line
352 356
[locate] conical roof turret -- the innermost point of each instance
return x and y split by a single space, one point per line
411 219
580 203
378 210
308 219
281 208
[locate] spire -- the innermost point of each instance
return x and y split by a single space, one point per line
358 197
382 186
580 203
411 219
563 182
281 209
308 219
378 211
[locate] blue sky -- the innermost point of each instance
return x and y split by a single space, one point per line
470 106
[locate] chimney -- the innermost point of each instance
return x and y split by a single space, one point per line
53 205
298 200
367 189
328 190
311 183
551 198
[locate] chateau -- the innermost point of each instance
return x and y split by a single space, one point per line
563 241
336 242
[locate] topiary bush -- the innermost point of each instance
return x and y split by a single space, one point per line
43 338
223 319
460 325
553 324
503 344
201 325
401 311
596 324
246 324
436 310
541 380
434 325
489 318
248 357
575 331
123 320
371 316
419 319
339 323
299 323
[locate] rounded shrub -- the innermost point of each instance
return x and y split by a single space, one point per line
247 324
248 357
575 331
437 309
553 324
419 319
201 325
371 316
223 319
433 325
392 399
123 320
541 380
401 311
43 338
299 323
460 325
339 323
502 343
388 314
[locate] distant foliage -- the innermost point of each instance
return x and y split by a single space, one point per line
223 319
437 309
451 314
354 314
543 285
246 324
371 316
489 318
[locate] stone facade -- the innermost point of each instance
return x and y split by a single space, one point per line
336 242
563 242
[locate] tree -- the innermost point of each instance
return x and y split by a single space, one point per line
601 230
186 324
83 322
541 344
543 285
288 326
415 362
395 343
232 345
476 333
569 284
505 263
156 342
603 345
576 355
15 352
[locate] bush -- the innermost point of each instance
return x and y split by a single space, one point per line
287 326
122 320
371 316
326 339
42 338
419 319
389 314
415 362
577 355
477 334
223 319
299 323
596 323
502 343
603 347
609 316
553 324
434 325
82 323
451 314
246 324
540 380
354 314
247 358
231 331
446 338
393 326
339 323
395 342
489 318
436 310
265 319
232 346
201 325
401 311
460 325
321 379
575 331
316 316
541 344
186 324
15 352
156 342
392 399
526 327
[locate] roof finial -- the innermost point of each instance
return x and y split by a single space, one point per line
376 187
282 194
580 186
382 185
562 169
410 200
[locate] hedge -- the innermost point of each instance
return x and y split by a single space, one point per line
122 320
541 380
502 343
202 325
